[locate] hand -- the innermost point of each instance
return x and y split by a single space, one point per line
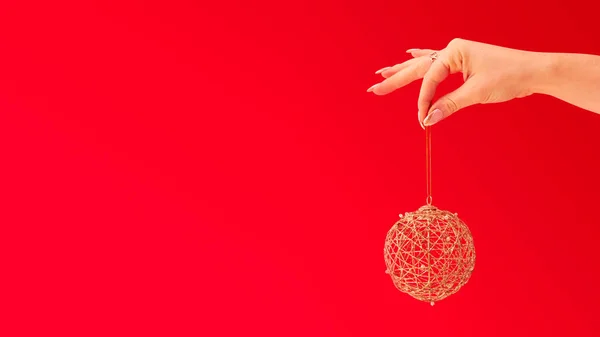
492 74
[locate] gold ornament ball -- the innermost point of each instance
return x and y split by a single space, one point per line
429 254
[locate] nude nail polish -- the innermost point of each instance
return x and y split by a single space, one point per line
419 118
382 70
434 117
372 87
412 50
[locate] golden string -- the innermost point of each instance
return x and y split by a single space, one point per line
429 199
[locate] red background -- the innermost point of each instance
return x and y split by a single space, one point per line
215 168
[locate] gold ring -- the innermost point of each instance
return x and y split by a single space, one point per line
433 56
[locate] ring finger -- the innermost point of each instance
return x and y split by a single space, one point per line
416 70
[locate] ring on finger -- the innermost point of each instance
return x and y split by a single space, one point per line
433 56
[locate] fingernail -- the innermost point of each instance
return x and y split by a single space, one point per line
419 118
412 49
434 117
372 87
381 70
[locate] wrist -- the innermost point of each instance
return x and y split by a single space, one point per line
545 74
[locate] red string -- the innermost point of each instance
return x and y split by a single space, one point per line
428 163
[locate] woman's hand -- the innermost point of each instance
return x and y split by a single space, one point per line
492 74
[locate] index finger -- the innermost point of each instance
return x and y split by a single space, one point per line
438 72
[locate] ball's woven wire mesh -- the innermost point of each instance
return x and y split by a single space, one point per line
429 254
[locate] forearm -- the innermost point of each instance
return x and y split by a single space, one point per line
573 78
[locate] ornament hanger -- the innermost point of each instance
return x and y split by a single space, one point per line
429 199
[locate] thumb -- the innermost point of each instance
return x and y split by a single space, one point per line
466 95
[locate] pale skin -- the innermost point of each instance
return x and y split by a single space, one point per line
493 74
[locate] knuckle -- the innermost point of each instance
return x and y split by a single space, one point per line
455 52
455 42
451 105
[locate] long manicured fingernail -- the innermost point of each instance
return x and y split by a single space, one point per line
381 70
420 123
412 49
434 117
372 87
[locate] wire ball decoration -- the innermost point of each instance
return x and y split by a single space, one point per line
429 253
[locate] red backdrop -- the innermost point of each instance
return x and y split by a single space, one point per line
216 168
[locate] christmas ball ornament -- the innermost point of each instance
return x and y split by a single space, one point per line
429 253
